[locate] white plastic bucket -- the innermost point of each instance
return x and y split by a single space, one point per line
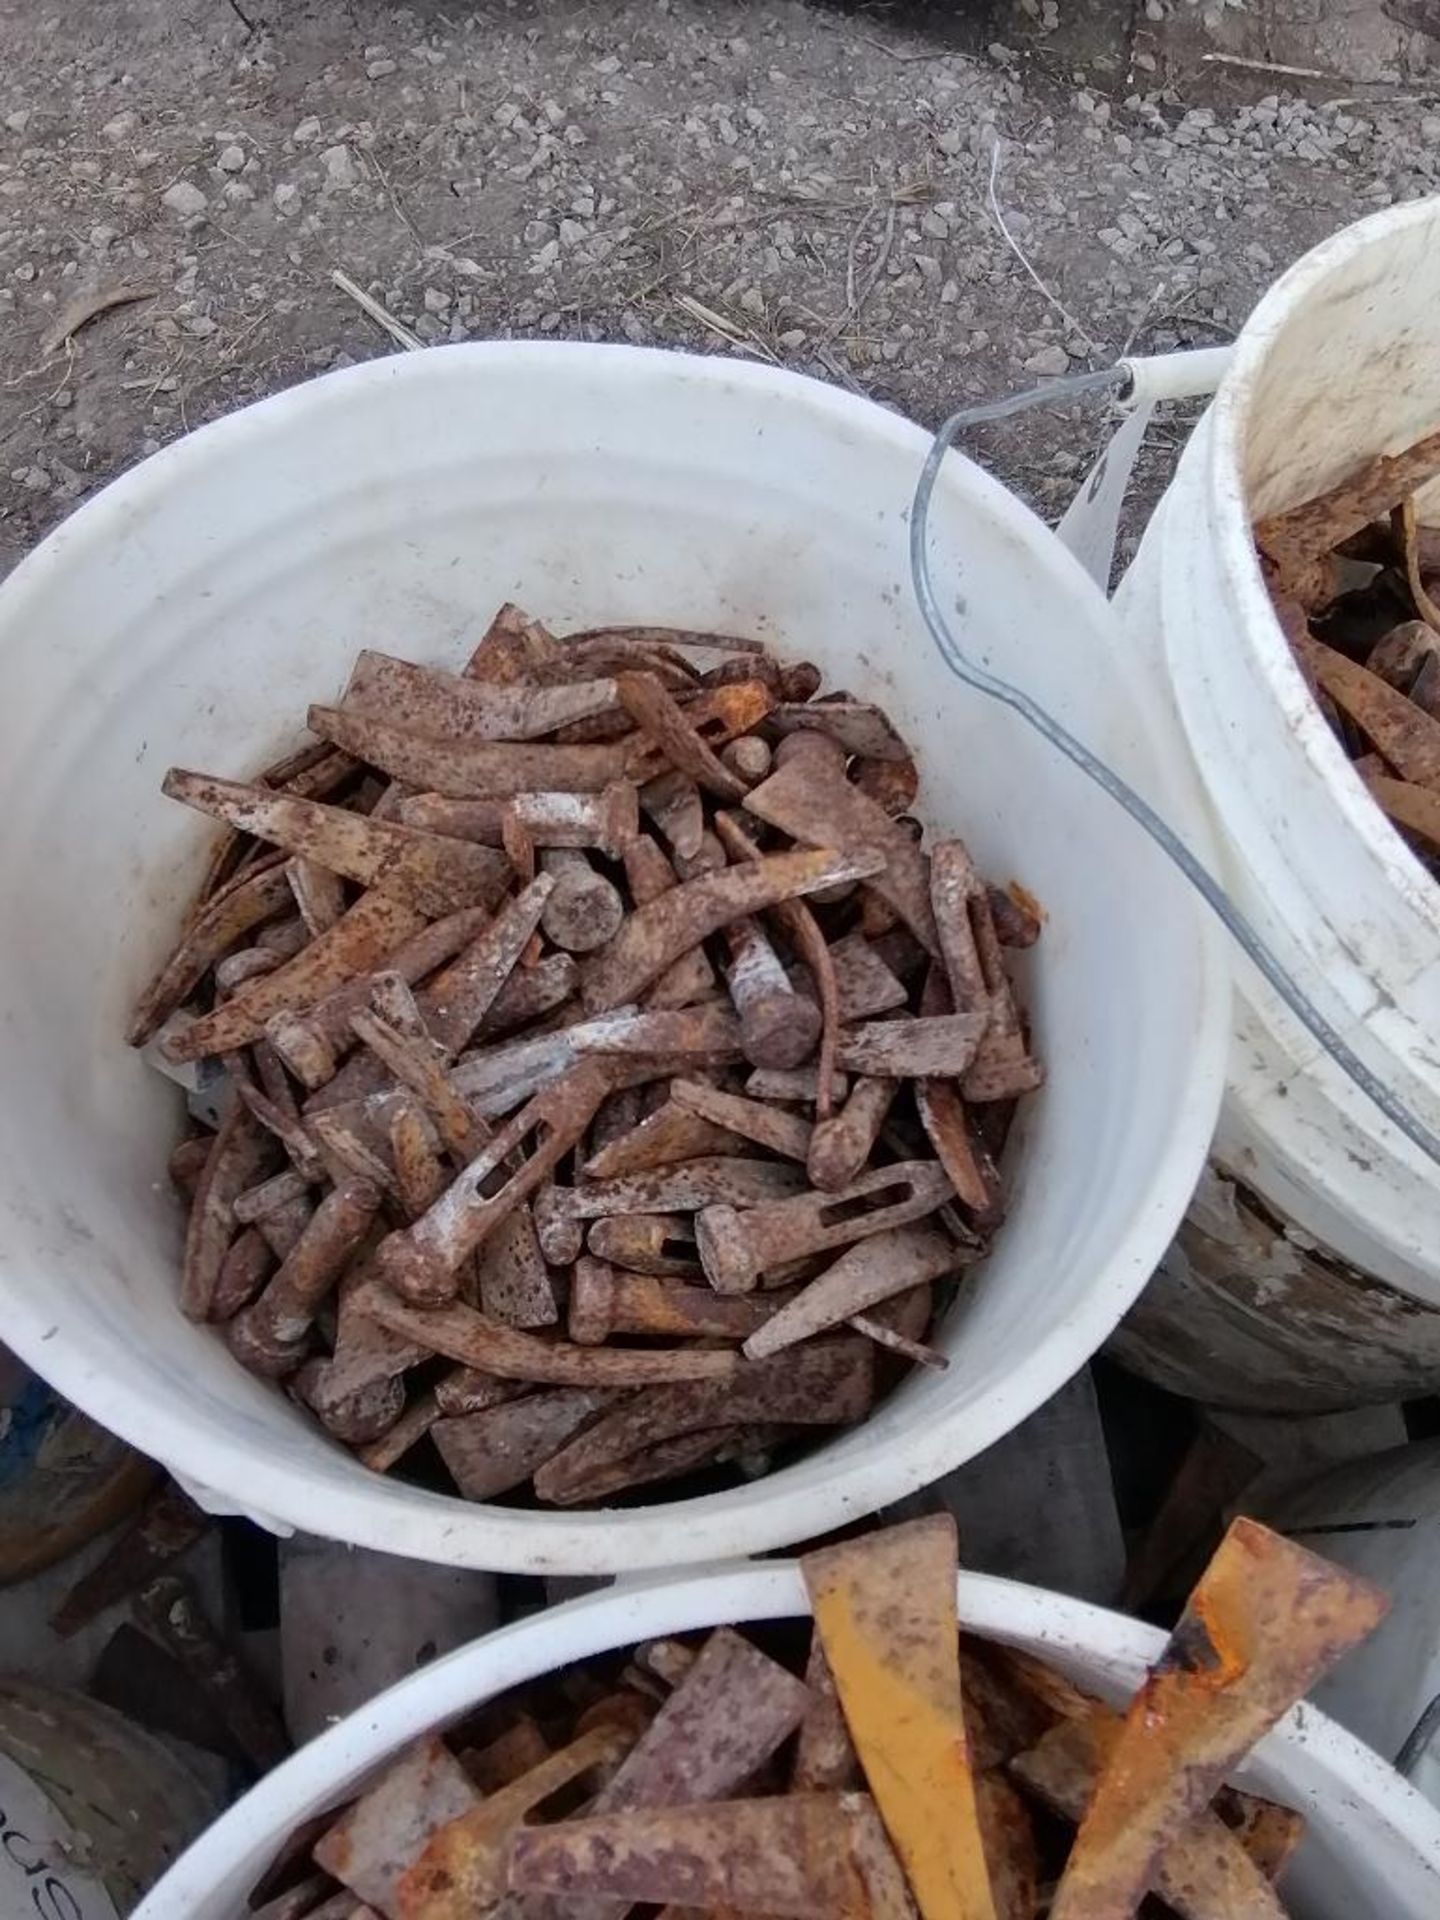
191 611
1340 360
1381 1516
1372 1845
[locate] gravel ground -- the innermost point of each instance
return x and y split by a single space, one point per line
806 185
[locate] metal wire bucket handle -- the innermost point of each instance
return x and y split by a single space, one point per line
1088 529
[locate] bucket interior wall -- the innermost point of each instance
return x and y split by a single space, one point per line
189 614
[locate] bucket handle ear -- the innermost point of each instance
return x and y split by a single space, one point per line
1092 519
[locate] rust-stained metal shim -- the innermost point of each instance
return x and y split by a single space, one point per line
435 874
499 1448
374 1841
1407 736
515 1284
734 1708
873 1270
467 770
1202 1871
211 933
942 1046
450 707
1314 528
757 1120
885 1613
819 806
461 1872
659 933
673 1132
168 1525
825 1757
826 1383
1265 1620
371 930
790 1856
455 1002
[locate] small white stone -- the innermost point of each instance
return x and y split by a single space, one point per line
286 198
184 198
1050 362
19 120
377 69
231 159
103 237
122 126
339 167
436 300
307 133
935 224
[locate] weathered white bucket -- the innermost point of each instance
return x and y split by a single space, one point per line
1372 1846
191 611
1340 360
1381 1516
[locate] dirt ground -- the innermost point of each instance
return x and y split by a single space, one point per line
820 186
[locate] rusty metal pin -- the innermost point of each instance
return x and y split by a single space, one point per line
408 1431
208 937
604 1301
468 770
885 1614
840 1146
420 1175
467 1390
269 1335
394 1003
795 1084
235 969
456 1001
672 801
243 1272
187 1163
460 1333
778 1026
857 726
416 1065
655 712
941 1045
243 1151
323 1034
421 1263
530 994
803 931
461 1871
795 1855
1202 1871
749 758
377 1837
585 909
